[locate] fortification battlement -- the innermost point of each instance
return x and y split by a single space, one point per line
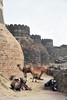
37 38
63 46
24 30
47 42
19 30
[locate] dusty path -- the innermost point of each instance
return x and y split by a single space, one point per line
38 92
46 96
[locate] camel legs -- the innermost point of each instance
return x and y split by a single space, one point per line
34 80
25 75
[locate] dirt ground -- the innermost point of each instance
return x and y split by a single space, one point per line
38 92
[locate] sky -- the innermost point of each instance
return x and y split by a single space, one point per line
47 18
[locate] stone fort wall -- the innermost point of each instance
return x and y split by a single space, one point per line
24 30
20 31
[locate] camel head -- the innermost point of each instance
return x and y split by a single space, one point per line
12 77
19 66
23 80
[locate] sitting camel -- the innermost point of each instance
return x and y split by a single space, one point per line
15 84
19 84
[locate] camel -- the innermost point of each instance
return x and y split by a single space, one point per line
19 84
36 76
26 69
36 72
16 84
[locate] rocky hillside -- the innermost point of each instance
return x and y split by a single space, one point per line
10 53
59 72
34 53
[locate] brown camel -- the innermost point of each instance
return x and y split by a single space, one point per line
37 76
38 72
26 69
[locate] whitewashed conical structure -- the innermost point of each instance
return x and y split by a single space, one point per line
1 12
10 50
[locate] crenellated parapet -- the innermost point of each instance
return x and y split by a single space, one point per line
63 46
19 30
36 38
47 42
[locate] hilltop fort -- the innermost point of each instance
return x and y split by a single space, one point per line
36 50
